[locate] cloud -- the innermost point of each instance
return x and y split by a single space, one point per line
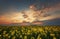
31 15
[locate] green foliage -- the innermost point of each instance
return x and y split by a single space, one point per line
29 32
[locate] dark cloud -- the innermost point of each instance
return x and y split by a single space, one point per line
53 22
5 5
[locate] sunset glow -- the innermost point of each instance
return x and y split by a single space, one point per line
31 14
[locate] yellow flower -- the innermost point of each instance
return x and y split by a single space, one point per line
25 37
39 37
41 30
0 35
21 36
29 30
6 34
16 30
9 36
13 37
12 33
54 37
52 34
34 29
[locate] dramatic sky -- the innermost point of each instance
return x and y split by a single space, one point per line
45 12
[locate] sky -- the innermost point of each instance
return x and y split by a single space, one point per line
46 12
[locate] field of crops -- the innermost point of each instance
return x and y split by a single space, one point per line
29 32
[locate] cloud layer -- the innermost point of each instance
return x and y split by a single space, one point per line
32 14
